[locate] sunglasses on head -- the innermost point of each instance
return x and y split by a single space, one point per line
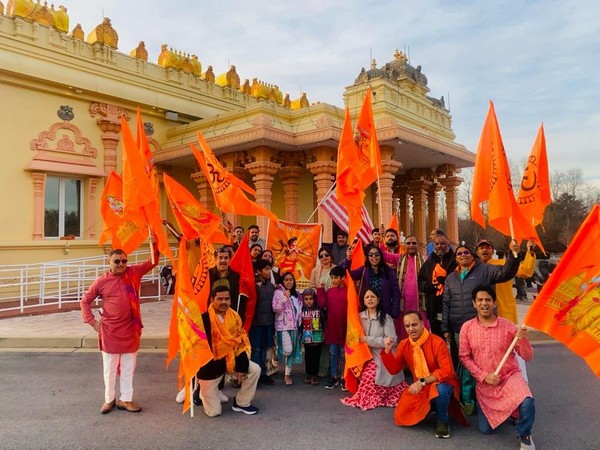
464 252
119 261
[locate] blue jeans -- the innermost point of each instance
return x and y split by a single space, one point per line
524 424
261 338
442 401
337 358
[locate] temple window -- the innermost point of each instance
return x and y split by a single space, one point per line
62 207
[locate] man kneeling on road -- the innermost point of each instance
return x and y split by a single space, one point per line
428 358
230 346
483 342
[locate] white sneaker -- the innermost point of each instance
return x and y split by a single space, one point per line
223 397
180 396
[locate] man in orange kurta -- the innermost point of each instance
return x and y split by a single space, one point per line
428 358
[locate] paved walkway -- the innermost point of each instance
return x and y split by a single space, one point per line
66 330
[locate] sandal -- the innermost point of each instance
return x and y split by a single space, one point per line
314 381
288 380
307 380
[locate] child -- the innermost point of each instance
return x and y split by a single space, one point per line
334 302
311 329
262 328
286 306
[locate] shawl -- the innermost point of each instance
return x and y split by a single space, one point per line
228 336
421 369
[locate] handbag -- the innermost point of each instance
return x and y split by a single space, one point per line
271 363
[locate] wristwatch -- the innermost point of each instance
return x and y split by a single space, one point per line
422 381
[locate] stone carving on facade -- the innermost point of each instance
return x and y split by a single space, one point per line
70 141
173 59
65 112
78 33
246 88
40 13
229 78
104 34
300 103
287 103
148 128
1 8
106 111
209 75
266 91
140 52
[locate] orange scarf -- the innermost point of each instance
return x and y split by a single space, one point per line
421 369
229 339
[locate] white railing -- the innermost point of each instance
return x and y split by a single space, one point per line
55 283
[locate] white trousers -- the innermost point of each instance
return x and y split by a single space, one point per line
111 362
209 391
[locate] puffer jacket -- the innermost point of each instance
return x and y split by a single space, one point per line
458 301
287 310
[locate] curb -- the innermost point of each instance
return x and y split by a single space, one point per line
85 342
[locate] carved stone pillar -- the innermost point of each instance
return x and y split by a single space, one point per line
401 194
290 180
323 172
92 216
432 207
418 191
39 184
205 192
451 188
389 168
109 121
262 176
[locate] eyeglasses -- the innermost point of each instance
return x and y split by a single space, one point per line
119 261
411 243
465 252
324 255
373 255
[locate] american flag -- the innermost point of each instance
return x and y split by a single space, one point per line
340 216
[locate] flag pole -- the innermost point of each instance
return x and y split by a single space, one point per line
152 258
379 196
319 204
511 347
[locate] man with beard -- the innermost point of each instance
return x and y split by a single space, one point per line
238 235
338 250
253 232
431 280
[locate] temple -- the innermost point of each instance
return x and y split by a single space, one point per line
63 94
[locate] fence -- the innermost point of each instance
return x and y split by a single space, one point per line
56 283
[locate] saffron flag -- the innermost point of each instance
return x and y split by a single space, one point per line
140 204
227 189
369 160
194 220
394 223
242 264
357 352
357 256
534 193
491 182
348 191
194 351
147 156
294 246
568 306
340 216
125 235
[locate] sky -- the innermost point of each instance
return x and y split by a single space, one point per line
538 61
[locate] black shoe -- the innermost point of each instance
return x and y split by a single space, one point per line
264 379
196 397
333 382
250 410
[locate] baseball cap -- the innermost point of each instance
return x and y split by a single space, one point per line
484 242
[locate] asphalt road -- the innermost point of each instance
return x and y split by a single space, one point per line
52 400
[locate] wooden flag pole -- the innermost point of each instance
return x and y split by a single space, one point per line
192 397
511 347
379 196
152 258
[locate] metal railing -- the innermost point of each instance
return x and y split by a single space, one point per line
56 283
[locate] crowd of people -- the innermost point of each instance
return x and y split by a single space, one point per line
437 320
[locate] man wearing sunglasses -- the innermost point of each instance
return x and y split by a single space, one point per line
408 270
119 326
